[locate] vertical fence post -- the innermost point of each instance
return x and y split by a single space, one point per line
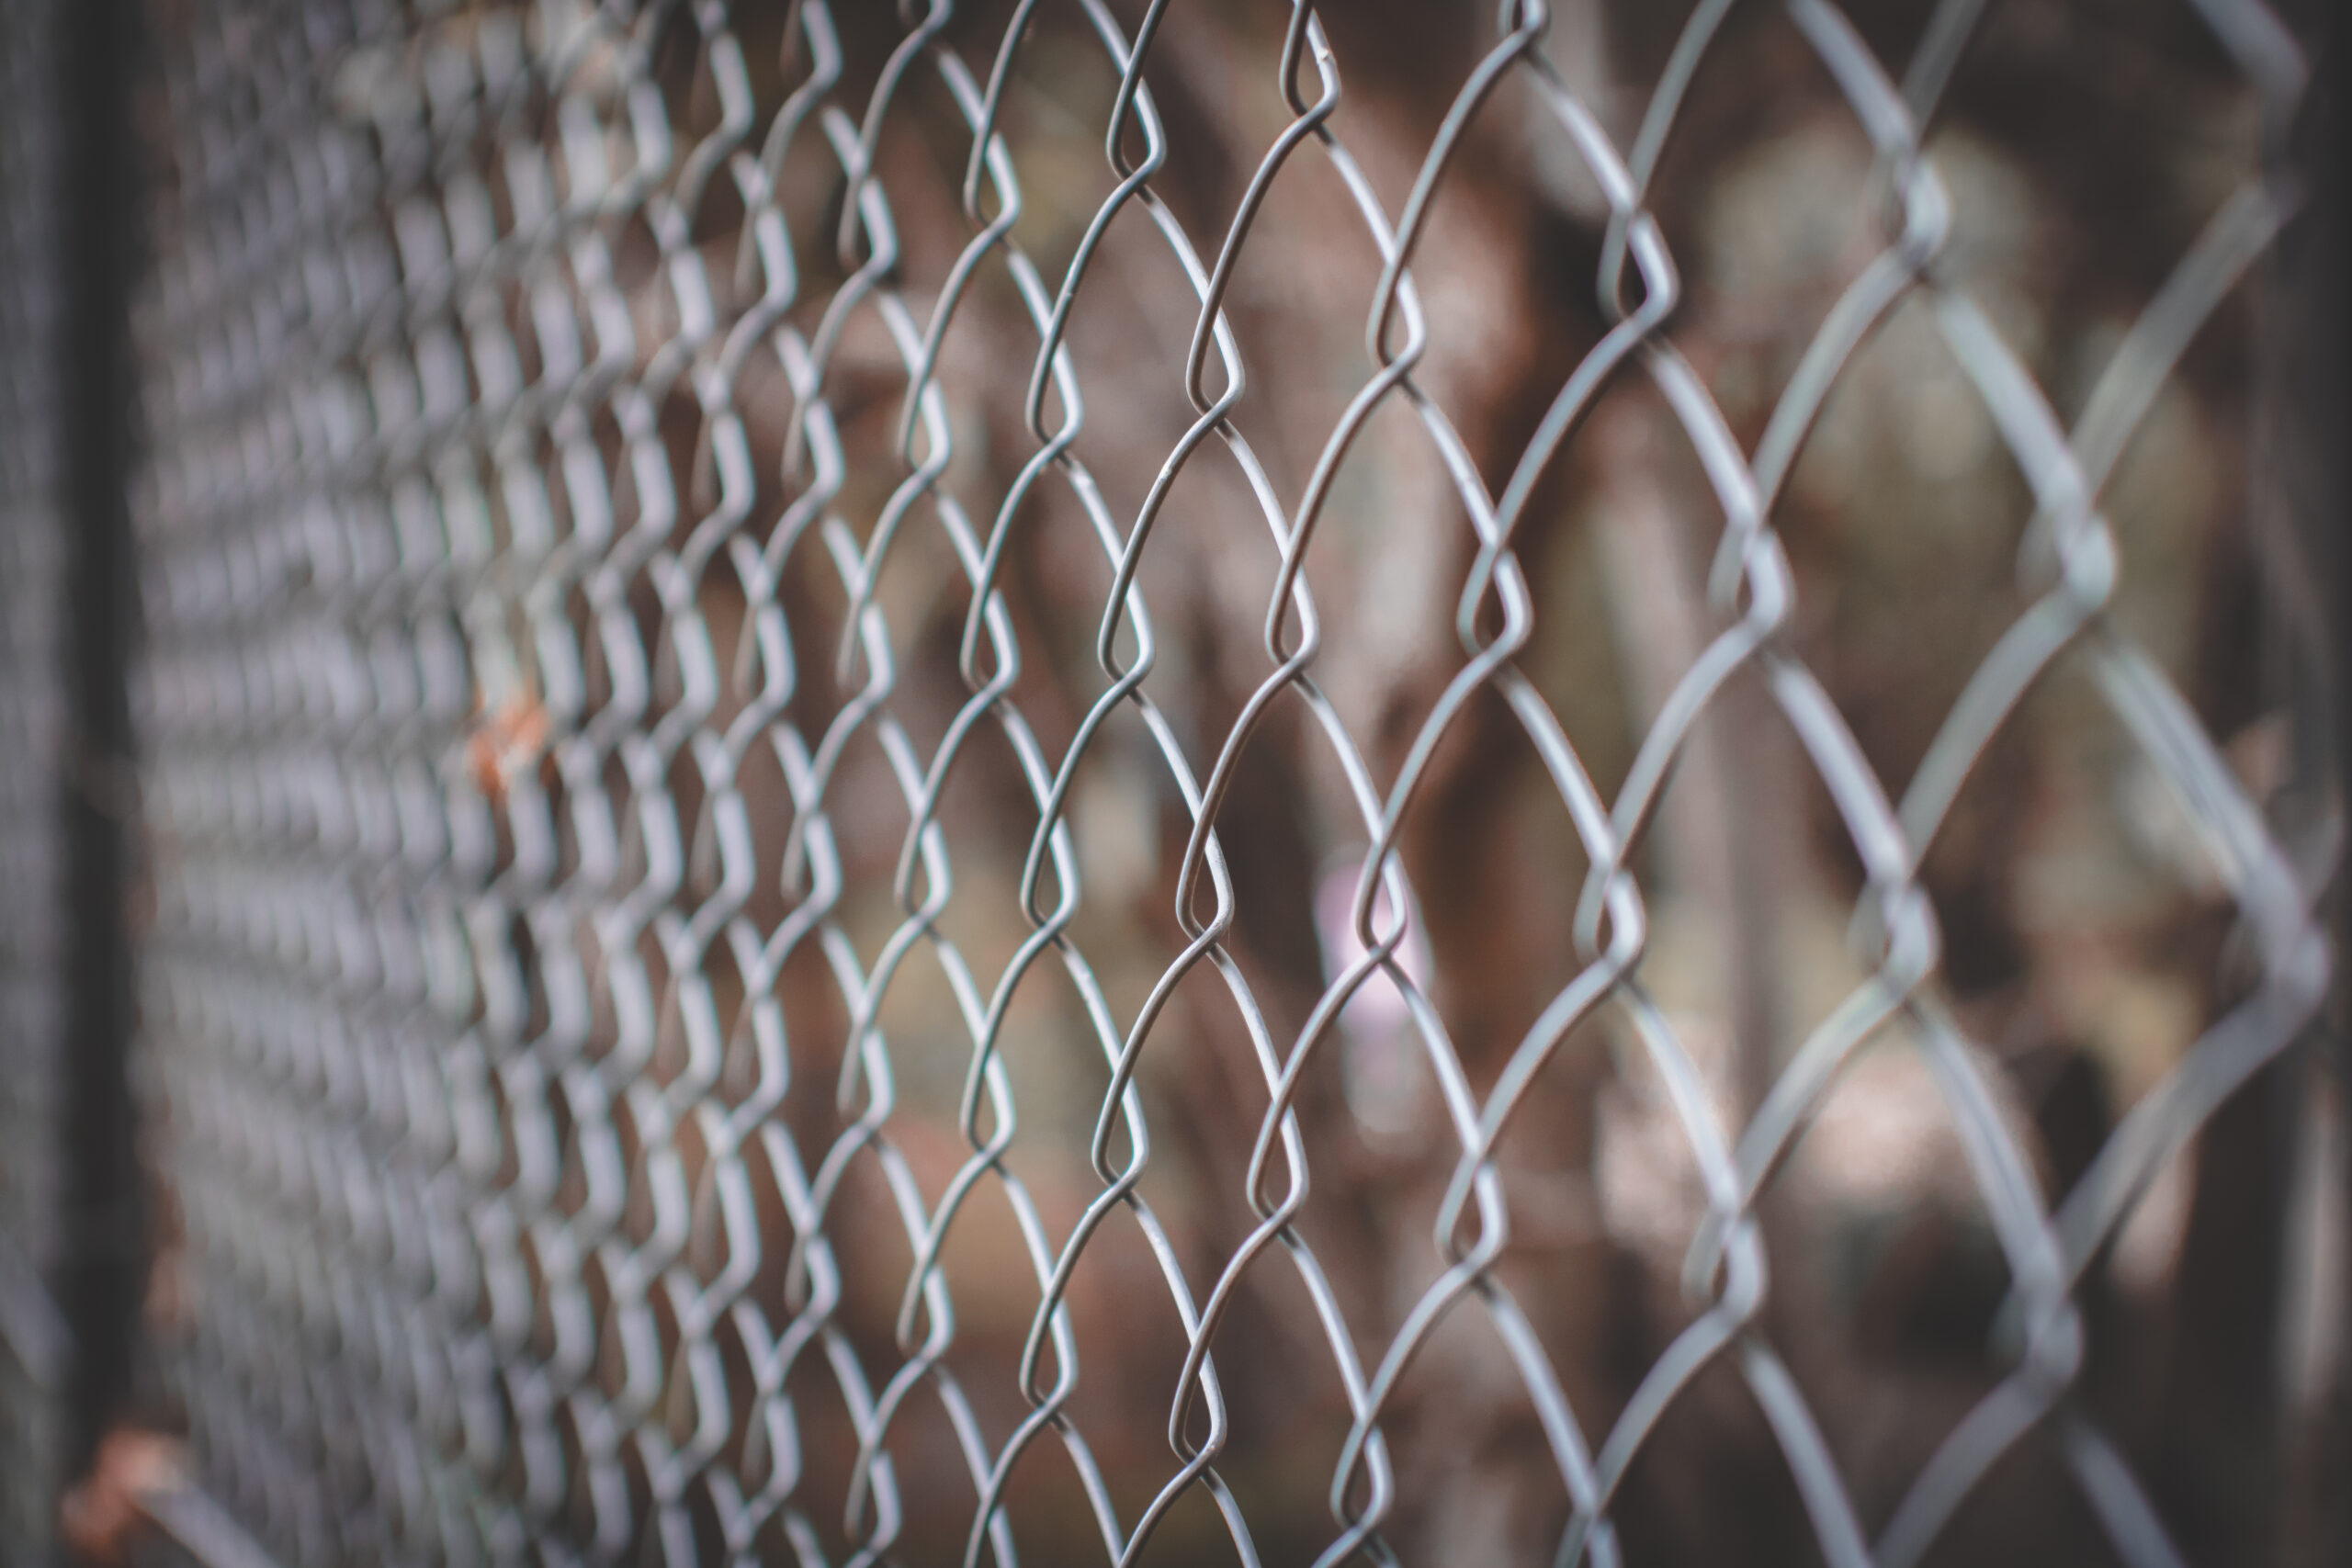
2304 482
100 1267
2325 1510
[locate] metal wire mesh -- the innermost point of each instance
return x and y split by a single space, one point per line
664 970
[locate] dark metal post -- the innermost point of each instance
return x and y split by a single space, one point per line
101 1267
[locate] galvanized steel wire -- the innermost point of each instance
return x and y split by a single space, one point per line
473 1068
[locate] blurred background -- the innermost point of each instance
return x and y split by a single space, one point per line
730 844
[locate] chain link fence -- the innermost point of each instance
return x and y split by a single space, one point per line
1084 781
